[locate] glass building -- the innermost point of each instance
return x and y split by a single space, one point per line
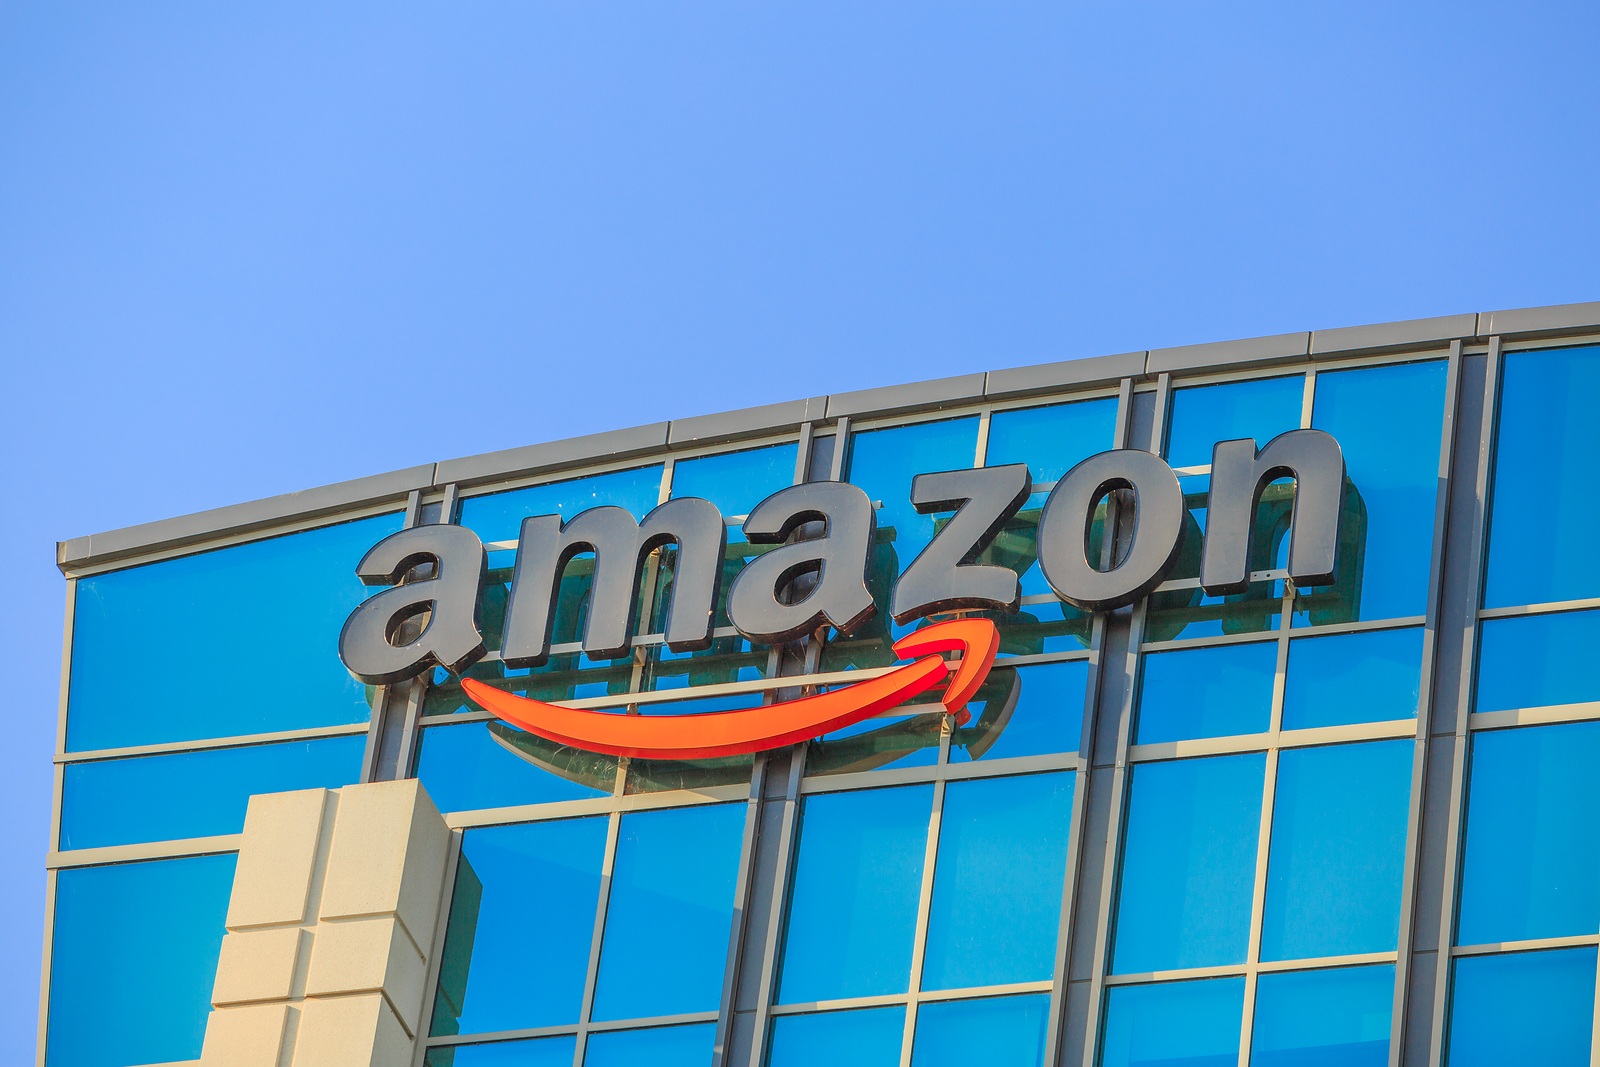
1355 824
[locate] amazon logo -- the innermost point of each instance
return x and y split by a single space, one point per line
814 574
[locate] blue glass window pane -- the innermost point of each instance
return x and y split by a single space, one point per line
869 1038
1024 711
1338 850
1544 510
1052 440
1203 415
1388 421
133 959
997 881
1536 660
194 794
736 481
473 765
994 1031
1332 1018
498 516
1188 863
1527 1007
1350 678
670 912
501 970
1206 692
882 463
853 904
1532 862
664 1046
258 625
1174 1024
541 1052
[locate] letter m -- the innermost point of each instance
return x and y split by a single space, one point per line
1239 473
620 546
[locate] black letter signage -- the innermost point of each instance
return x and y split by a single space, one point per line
945 576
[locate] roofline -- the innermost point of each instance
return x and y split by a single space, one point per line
732 426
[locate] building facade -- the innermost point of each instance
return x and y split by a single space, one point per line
1313 824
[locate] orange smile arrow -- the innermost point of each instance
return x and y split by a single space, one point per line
732 733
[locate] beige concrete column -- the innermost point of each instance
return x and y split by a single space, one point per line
332 918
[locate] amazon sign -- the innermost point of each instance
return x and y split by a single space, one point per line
816 575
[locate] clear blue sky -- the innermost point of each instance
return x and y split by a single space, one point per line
252 248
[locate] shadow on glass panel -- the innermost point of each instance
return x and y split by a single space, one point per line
474 765
1024 711
872 744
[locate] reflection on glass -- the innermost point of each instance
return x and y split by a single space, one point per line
1338 849
671 903
1188 865
498 516
853 905
1205 414
994 1031
1532 861
133 959
864 1038
662 1046
1533 661
1024 711
194 794
258 625
1388 422
997 881
473 765
1525 1007
736 481
1544 510
1052 440
540 1052
1188 613
1206 692
1195 1024
500 971
879 742
564 677
1332 1018
1348 678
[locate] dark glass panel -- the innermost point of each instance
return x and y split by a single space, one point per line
194 794
1052 440
540 1052
662 1046
1532 861
1024 711
997 881
1532 661
1388 421
1174 1024
994 1031
1206 692
1349 678
473 765
1188 865
1527 1007
256 628
1545 510
670 912
853 903
564 677
882 741
516 950
133 959
1338 850
1332 1018
864 1038
1205 414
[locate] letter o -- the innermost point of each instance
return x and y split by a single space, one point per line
1069 514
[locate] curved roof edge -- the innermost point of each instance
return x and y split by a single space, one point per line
732 426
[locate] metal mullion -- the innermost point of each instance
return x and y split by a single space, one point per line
919 945
495 1037
1533 944
881 1000
591 979
1406 940
1508 718
741 908
1002 989
1488 432
981 451
1322 630
945 772
1555 607
788 844
1111 874
436 954
1258 901
601 805
142 850
240 741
